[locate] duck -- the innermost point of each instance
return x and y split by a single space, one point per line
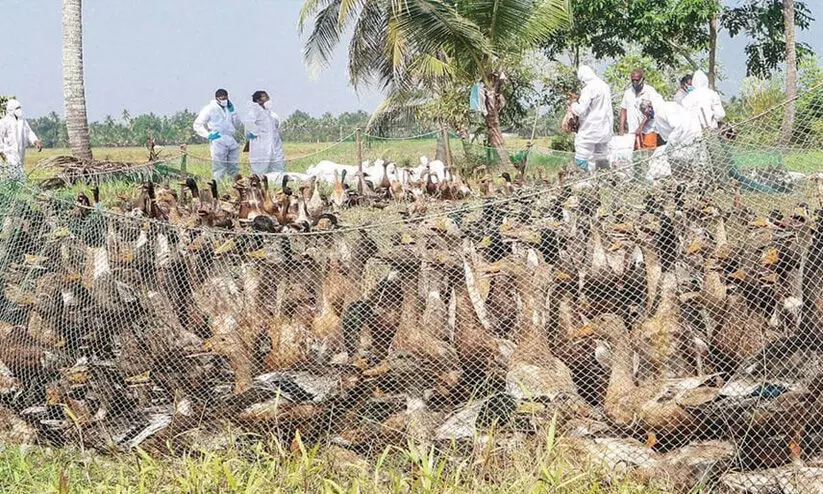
534 373
658 409
483 357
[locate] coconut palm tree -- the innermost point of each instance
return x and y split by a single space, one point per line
791 73
411 45
74 92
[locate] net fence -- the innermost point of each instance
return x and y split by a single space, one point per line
667 330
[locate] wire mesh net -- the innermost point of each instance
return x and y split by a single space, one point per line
667 330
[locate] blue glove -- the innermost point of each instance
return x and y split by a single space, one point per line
230 106
214 136
251 136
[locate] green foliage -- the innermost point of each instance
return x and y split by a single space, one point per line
762 22
131 131
3 100
668 31
664 79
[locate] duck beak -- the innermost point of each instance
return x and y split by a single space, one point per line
583 332
694 247
225 247
739 275
257 254
770 257
380 370
562 276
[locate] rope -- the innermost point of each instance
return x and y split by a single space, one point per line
410 138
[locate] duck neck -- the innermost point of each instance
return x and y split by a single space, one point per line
721 238
621 379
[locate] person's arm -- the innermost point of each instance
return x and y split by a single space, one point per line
236 120
32 137
581 106
621 125
201 121
717 108
3 136
624 105
250 122
642 126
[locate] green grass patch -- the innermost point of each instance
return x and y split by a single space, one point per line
324 470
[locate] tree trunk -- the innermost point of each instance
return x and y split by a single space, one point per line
74 92
712 75
791 74
494 133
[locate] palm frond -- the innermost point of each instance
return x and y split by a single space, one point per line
549 17
366 49
324 37
399 106
348 10
434 26
308 10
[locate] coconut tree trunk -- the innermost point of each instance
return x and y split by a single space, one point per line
791 74
712 75
74 92
494 133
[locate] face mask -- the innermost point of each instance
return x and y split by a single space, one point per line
689 89
223 102
18 113
267 105
638 86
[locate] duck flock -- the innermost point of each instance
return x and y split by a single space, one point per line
659 327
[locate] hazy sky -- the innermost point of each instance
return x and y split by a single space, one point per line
165 55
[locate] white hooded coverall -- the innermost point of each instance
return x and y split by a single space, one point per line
703 110
266 150
668 116
594 109
225 153
15 136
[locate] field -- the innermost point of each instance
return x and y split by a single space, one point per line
301 155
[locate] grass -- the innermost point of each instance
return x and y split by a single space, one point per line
304 469
300 155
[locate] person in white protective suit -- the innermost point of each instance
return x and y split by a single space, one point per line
594 110
263 132
703 111
218 122
668 116
15 137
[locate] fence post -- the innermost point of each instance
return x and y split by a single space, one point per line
358 134
183 158
529 146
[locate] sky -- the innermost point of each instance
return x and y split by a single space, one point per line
162 56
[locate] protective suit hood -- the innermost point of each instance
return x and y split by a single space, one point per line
12 105
586 74
700 80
